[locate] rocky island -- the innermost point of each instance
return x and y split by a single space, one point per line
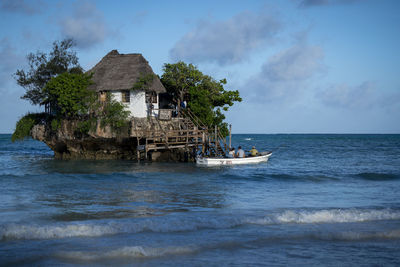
120 109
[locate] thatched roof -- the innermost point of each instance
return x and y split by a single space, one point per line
118 71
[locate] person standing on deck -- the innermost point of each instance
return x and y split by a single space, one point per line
183 104
240 152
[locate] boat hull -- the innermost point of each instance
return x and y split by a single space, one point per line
232 161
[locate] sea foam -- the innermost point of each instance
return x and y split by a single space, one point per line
337 216
191 222
126 252
132 252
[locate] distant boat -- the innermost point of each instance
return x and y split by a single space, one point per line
263 157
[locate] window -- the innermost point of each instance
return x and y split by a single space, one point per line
151 97
103 96
126 97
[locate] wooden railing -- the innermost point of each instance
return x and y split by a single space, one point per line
173 138
218 143
190 115
213 135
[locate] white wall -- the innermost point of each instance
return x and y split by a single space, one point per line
137 105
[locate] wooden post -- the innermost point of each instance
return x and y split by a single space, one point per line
145 150
216 140
230 136
137 149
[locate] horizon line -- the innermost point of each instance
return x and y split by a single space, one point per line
316 133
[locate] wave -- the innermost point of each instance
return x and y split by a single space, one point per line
144 252
126 252
333 216
313 178
378 176
260 176
17 231
192 223
358 236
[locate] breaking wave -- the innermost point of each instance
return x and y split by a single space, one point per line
331 216
357 236
192 223
126 252
153 252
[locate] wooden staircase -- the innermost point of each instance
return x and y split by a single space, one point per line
191 135
216 145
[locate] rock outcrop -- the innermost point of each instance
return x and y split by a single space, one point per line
68 142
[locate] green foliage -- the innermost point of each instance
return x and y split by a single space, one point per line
144 82
56 78
23 128
68 91
84 126
178 78
25 124
55 124
207 98
43 67
114 114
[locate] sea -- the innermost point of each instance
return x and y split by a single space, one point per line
320 200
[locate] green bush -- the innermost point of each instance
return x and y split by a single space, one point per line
55 124
25 124
85 126
114 115
68 91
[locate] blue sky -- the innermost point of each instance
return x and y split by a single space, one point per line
301 66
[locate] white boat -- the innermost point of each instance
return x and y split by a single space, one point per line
233 161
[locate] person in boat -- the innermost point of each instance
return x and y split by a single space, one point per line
240 153
231 153
253 152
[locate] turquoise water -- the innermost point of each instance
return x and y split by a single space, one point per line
321 200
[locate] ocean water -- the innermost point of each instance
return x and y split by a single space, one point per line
321 200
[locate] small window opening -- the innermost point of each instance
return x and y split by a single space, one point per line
103 96
126 97
151 97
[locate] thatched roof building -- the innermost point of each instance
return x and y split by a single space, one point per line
118 71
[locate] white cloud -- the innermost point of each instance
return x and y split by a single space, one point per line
226 42
286 74
299 62
362 96
86 26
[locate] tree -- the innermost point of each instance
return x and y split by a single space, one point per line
68 93
43 67
206 97
57 79
178 78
